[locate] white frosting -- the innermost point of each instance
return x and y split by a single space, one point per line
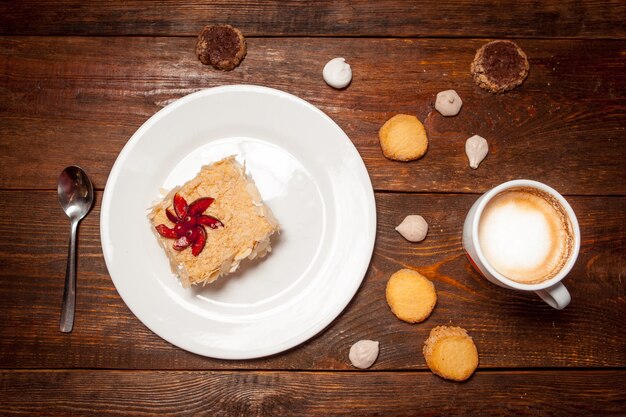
413 228
337 73
448 103
363 353
476 149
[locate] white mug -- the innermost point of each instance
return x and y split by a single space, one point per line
551 291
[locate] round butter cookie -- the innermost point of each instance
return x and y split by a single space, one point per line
411 296
451 353
403 138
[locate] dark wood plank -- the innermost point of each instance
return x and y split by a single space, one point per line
511 329
78 100
180 393
527 18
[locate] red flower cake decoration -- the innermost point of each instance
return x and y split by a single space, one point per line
189 222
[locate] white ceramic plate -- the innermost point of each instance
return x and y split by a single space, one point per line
308 172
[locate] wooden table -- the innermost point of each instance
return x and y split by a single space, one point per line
78 78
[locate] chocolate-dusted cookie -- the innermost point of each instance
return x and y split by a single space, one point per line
221 46
499 66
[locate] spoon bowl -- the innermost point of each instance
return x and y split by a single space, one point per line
75 192
76 198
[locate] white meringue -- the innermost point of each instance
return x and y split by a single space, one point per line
337 73
364 353
476 149
413 228
448 103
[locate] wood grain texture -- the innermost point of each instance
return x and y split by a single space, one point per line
526 18
116 393
77 78
78 100
511 329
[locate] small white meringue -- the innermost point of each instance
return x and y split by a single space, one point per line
363 353
413 228
476 149
448 103
337 73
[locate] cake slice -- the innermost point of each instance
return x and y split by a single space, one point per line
211 223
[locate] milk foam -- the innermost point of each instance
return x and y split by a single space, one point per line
524 236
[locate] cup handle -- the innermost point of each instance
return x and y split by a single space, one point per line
555 296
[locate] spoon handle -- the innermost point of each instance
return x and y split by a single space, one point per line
69 293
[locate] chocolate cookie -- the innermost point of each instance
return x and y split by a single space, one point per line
499 66
221 46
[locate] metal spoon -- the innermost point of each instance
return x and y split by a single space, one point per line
76 198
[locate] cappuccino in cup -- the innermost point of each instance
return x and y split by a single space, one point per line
526 235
